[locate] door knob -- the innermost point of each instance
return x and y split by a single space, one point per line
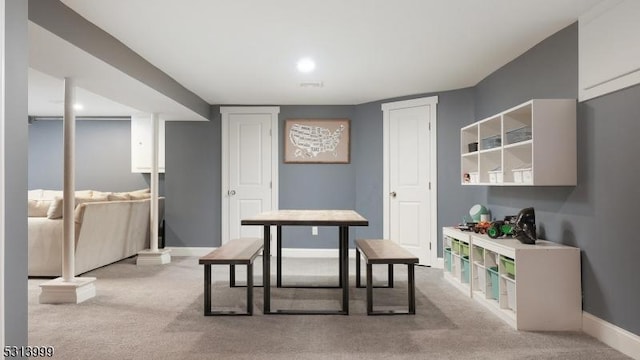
231 192
393 194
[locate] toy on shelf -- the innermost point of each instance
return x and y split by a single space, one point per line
502 227
482 227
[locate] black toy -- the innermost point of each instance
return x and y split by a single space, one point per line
525 227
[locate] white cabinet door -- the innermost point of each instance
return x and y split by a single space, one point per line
608 51
141 133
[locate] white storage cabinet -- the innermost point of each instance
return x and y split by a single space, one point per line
141 152
542 293
530 144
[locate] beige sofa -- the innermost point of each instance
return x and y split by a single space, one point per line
108 227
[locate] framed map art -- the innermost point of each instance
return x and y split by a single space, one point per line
319 141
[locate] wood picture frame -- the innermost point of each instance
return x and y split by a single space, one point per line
317 141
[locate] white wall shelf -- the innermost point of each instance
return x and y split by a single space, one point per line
530 144
542 294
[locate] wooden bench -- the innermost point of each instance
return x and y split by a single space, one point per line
389 253
235 252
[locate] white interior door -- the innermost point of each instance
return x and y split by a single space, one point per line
410 176
249 183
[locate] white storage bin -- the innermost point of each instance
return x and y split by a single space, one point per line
474 178
481 273
522 175
527 177
511 293
495 176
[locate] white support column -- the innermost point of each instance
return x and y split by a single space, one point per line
154 256
68 288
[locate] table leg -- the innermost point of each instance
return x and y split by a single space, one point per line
279 259
266 269
344 274
207 289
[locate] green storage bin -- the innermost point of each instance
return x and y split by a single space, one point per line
509 266
464 249
494 280
455 246
466 270
447 259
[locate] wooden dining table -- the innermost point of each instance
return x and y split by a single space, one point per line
343 219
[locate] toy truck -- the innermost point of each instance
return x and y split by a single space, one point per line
504 227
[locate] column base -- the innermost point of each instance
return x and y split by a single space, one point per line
59 291
150 257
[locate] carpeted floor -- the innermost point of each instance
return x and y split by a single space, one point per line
156 312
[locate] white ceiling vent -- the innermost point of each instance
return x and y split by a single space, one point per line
312 84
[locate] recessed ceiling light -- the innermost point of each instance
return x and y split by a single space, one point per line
78 107
306 65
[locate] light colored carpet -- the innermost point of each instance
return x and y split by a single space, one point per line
156 312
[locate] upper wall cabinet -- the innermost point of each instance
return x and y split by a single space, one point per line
531 144
141 152
609 55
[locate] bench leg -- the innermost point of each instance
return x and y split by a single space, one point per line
412 288
207 289
250 289
369 289
207 292
232 275
358 285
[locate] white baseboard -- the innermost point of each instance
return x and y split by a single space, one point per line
287 252
190 251
614 336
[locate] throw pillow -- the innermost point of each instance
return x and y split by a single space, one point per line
147 190
55 209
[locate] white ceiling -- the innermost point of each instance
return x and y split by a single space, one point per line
244 52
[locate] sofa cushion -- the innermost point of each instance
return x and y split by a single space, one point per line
147 190
139 195
116 196
35 194
55 210
38 208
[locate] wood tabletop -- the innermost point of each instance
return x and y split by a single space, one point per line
307 217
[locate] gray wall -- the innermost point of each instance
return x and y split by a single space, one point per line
193 174
316 186
192 182
103 156
597 215
15 137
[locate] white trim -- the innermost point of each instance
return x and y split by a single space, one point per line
432 102
614 336
189 251
2 172
225 111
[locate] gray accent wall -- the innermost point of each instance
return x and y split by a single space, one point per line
194 170
316 186
15 137
597 215
103 156
193 182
